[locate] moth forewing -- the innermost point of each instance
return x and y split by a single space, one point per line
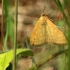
56 35
37 34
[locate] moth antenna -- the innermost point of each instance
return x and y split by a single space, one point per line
44 9
43 12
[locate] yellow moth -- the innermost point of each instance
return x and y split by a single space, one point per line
46 32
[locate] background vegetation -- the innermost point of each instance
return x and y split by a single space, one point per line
18 19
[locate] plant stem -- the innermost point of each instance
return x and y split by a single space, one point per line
28 46
15 34
2 21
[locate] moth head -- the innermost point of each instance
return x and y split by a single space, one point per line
43 14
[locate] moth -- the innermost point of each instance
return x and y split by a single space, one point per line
46 32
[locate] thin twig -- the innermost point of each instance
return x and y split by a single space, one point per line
51 57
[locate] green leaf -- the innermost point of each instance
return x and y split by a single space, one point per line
7 57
